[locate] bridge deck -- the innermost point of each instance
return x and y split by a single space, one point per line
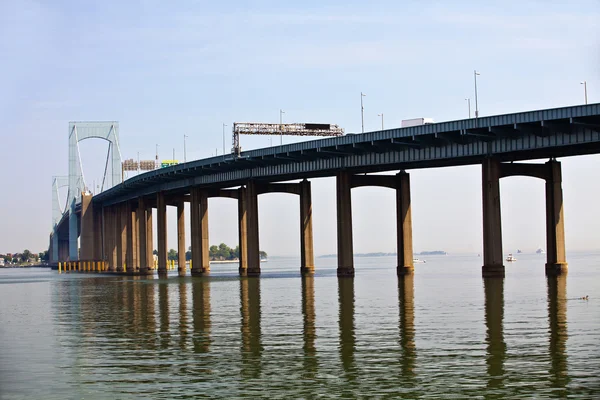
539 134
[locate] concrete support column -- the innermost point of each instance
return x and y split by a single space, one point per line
86 251
404 226
493 265
98 237
345 253
121 236
307 256
243 231
556 263
135 242
161 231
110 242
181 238
252 230
199 217
149 239
128 236
141 236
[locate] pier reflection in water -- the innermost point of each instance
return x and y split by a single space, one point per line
309 330
495 345
557 320
251 349
406 306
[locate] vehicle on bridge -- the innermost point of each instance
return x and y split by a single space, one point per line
416 122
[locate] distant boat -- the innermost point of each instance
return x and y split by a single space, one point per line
510 258
519 251
418 261
540 251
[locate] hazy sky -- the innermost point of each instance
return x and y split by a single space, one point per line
165 69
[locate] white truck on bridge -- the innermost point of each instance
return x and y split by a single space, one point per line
416 122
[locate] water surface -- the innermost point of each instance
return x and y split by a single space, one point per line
443 332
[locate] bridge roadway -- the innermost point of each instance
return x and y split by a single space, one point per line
494 142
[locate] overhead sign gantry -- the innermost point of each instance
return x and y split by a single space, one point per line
295 129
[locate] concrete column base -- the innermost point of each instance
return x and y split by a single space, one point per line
493 271
199 272
145 271
304 270
405 270
253 271
554 269
345 272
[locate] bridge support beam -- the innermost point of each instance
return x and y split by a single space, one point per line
252 241
199 231
404 225
492 222
345 253
556 263
181 238
87 238
307 256
161 232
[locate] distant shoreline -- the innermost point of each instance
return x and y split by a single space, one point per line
423 253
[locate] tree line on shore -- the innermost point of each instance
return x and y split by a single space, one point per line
221 252
25 256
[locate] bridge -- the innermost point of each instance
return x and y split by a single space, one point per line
116 226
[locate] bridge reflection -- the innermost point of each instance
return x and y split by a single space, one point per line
406 325
557 343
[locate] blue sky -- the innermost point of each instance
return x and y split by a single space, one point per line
165 69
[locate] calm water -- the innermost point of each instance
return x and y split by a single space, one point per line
443 333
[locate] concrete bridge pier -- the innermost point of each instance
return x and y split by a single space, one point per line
307 255
199 232
492 222
161 232
110 237
87 235
401 183
406 264
142 219
556 263
252 251
345 252
181 238
243 231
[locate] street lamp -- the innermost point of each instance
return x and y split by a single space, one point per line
362 112
584 83
184 152
469 105
224 140
381 115
475 73
281 112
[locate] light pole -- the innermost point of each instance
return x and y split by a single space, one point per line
584 83
224 140
184 152
381 115
281 112
475 73
173 154
362 112
469 105
156 162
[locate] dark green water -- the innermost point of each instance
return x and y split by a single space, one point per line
443 333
